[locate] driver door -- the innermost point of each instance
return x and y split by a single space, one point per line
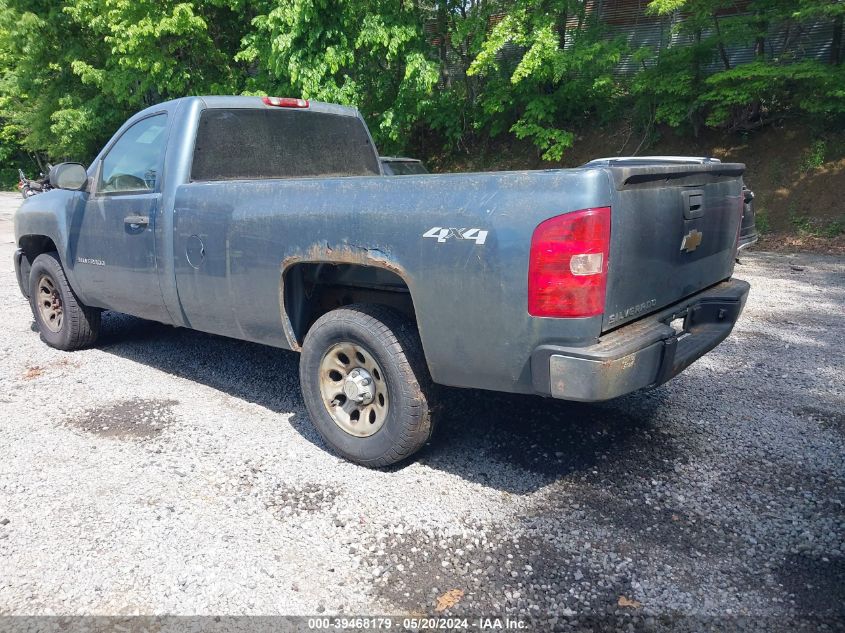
115 255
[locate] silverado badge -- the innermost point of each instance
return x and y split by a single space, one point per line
692 241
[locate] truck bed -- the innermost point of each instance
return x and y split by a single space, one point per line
469 297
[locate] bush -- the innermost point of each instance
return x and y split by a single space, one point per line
8 179
814 158
749 94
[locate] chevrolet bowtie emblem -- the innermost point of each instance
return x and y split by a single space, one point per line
692 241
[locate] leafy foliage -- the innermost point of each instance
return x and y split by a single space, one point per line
72 71
554 82
425 73
809 87
681 89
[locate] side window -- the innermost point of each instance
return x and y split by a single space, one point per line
133 161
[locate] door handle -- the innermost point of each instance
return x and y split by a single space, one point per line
135 222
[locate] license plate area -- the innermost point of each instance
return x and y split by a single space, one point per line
679 325
679 322
701 314
703 325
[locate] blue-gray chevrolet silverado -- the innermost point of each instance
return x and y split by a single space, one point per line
271 220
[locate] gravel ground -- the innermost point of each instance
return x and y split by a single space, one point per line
172 472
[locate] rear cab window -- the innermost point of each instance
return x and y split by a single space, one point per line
249 144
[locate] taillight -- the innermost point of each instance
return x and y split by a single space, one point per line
285 102
567 270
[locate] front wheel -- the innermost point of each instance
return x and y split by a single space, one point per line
366 385
62 319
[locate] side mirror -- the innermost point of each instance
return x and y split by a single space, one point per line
68 176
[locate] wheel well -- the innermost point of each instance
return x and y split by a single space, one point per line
312 289
34 245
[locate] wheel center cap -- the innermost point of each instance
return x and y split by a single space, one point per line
358 386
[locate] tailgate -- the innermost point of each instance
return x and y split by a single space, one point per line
673 233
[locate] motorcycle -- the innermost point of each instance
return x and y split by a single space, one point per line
29 188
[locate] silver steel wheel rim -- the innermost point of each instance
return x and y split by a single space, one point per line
353 388
49 304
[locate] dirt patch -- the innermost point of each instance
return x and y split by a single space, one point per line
797 493
286 501
414 570
790 242
127 419
764 338
36 371
33 372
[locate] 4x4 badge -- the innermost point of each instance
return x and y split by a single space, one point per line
442 234
692 241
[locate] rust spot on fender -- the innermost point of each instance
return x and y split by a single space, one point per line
326 253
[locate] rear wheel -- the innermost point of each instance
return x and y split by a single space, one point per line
62 319
366 385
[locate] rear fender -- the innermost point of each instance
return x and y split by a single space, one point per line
324 253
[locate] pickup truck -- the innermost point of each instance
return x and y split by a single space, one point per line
271 220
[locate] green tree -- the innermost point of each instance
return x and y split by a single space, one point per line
425 73
75 70
368 54
675 87
564 74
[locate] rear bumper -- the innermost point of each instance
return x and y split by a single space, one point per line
644 353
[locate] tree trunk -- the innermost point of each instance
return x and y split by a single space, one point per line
836 44
722 52
442 34
695 115
755 112
760 41
561 29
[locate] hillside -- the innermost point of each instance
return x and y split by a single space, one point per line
797 174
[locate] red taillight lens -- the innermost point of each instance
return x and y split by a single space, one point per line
567 270
285 102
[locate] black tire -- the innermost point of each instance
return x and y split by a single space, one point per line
80 325
394 343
